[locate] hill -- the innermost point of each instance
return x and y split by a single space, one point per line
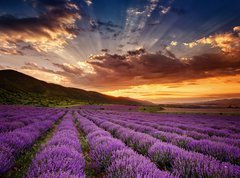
18 88
230 103
220 103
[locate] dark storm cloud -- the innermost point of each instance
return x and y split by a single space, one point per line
140 67
136 52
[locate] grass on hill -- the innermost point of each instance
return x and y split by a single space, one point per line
22 98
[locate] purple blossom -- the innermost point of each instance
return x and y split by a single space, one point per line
127 163
190 164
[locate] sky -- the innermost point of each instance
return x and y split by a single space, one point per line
164 51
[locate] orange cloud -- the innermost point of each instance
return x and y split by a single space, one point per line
228 43
237 29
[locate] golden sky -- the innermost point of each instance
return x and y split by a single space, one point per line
199 90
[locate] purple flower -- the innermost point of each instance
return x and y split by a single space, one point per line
127 163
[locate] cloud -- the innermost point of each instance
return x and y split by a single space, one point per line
237 29
169 8
136 52
105 50
104 27
139 67
10 52
107 29
120 46
137 19
153 68
112 71
45 32
108 24
69 69
66 69
88 2
93 25
191 45
154 23
34 66
228 43
173 43
165 10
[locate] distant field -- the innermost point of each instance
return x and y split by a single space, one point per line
201 110
116 141
187 110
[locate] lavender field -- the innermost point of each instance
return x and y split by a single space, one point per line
116 142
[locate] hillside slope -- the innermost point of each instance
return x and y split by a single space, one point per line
233 102
18 88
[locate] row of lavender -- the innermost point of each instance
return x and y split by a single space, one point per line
199 133
220 151
122 144
114 158
190 125
166 156
214 124
223 126
13 117
13 143
61 156
189 130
